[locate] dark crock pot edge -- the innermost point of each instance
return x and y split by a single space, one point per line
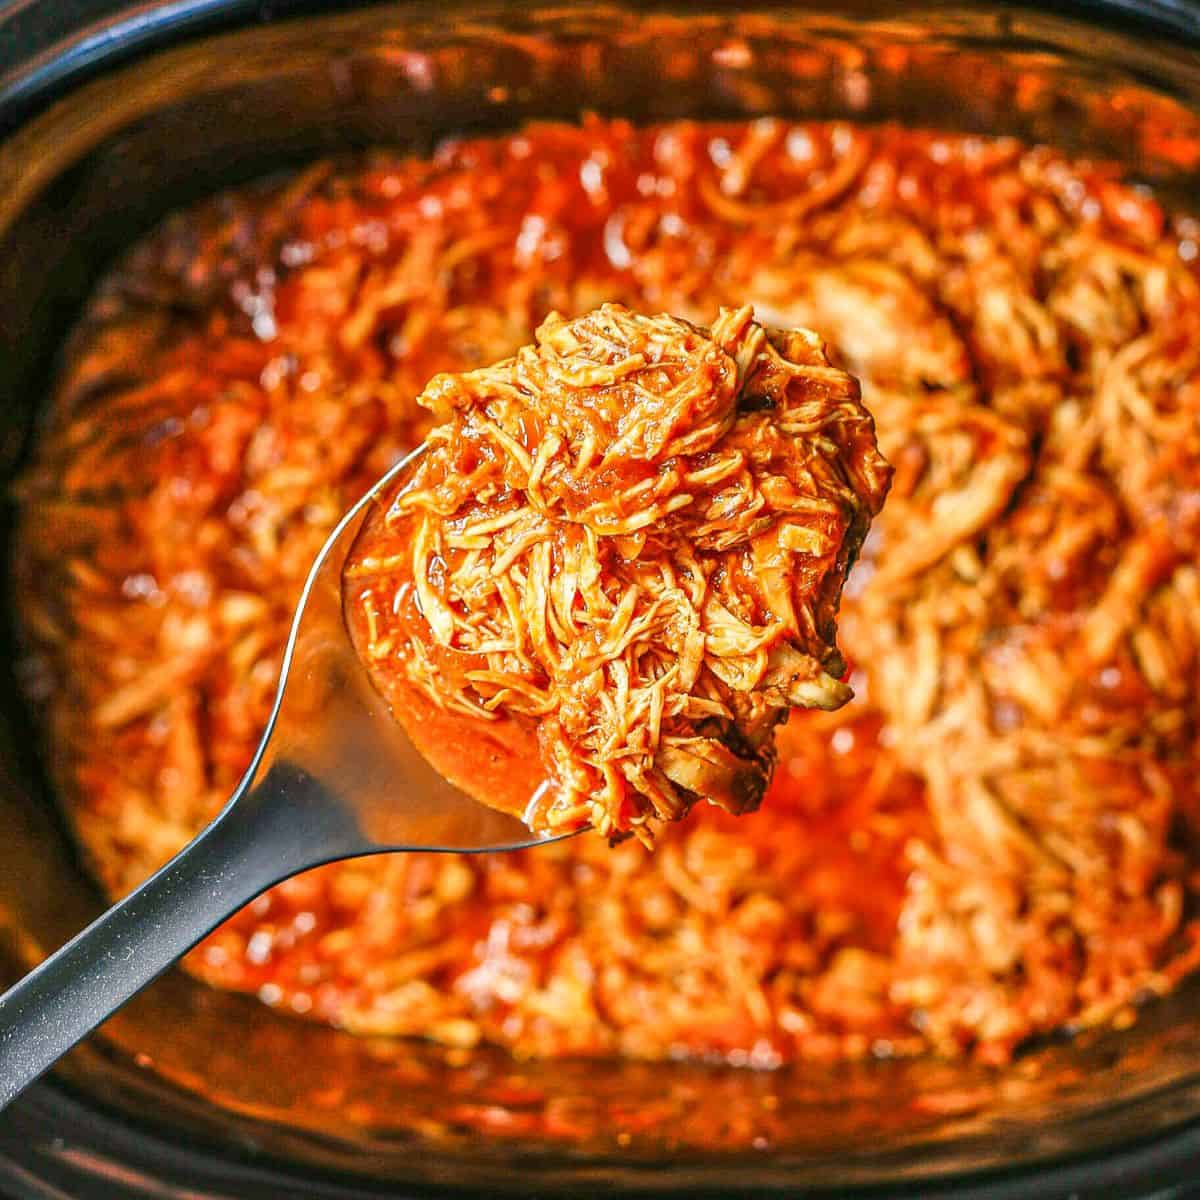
53 1146
48 47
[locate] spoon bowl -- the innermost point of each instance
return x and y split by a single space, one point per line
335 776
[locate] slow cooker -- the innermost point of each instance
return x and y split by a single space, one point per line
113 113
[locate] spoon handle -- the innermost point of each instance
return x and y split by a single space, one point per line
269 831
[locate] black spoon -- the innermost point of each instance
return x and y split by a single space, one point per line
334 777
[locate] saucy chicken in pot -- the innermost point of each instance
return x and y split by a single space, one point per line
616 565
995 839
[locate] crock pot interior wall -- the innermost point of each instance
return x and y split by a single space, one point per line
90 174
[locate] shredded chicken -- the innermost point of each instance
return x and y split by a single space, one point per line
634 533
999 835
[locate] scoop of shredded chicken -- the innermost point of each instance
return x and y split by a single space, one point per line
635 533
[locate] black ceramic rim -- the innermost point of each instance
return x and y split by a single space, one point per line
50 46
53 1146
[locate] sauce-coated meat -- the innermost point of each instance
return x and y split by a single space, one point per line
630 537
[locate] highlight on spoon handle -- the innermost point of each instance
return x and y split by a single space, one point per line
257 841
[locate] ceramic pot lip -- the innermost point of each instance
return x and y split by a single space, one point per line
54 1146
48 48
